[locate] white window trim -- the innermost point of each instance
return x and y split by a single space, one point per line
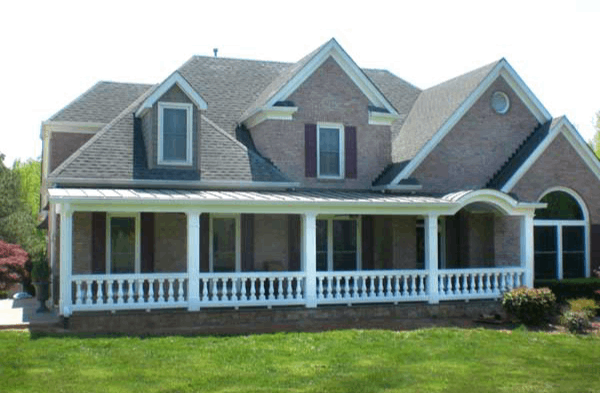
189 134
330 219
238 240
558 224
340 128
138 240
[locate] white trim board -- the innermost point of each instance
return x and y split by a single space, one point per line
567 129
174 79
502 69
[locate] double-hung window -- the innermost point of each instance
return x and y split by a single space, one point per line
338 244
123 243
330 150
175 133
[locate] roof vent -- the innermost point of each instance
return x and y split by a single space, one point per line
215 50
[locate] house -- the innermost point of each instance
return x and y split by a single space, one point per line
237 183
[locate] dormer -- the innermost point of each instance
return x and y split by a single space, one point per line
169 121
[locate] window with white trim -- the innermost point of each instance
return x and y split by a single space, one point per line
225 243
123 243
560 237
330 150
338 243
175 126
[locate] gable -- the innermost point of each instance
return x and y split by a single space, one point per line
478 145
560 165
440 108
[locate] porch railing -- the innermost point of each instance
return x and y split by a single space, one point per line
170 290
483 283
371 286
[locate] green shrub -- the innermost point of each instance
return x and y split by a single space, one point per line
530 306
576 321
572 288
40 271
588 306
3 294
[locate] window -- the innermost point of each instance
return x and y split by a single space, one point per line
500 102
330 151
338 244
225 243
560 233
175 122
123 243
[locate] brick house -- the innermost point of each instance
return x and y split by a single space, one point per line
238 183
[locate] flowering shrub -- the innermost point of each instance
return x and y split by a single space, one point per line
588 306
530 306
576 321
12 264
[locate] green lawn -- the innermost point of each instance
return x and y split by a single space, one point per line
432 360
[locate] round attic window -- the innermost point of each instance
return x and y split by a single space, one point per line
500 102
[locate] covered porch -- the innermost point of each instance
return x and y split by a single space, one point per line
149 249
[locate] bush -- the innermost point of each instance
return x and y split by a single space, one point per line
576 321
3 295
530 306
588 306
572 288
13 261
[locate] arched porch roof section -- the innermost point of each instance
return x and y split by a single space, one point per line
496 199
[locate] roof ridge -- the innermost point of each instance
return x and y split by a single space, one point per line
100 133
240 144
237 58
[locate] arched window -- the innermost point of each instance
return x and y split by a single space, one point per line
560 236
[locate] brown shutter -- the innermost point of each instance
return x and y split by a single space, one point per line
99 243
247 242
204 240
367 243
294 242
147 246
310 147
595 247
350 150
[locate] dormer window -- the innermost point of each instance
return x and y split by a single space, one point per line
175 122
330 151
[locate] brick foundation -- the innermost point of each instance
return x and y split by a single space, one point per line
262 320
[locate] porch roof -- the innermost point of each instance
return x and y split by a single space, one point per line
305 199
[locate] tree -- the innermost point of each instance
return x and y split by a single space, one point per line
13 260
30 173
17 223
595 142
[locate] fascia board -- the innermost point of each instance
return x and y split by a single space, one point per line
174 79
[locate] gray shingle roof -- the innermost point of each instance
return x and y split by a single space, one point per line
101 103
431 110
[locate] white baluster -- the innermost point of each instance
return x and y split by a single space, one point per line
319 287
204 282
110 291
180 291
487 283
463 286
363 286
89 285
214 294
380 286
271 288
170 290
252 289
261 288
288 290
151 291
130 290
78 290
100 298
138 287
471 283
347 287
354 286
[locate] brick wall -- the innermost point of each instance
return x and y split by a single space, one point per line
261 320
507 240
327 96
270 240
395 242
63 144
82 243
170 242
477 146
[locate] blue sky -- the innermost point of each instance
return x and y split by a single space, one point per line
52 51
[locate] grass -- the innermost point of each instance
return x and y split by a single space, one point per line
432 360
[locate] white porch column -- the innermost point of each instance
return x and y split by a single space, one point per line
309 257
193 260
527 248
431 257
66 259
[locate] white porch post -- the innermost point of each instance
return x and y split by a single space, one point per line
527 248
309 257
66 259
193 260
431 257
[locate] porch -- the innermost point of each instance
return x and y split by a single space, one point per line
254 251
